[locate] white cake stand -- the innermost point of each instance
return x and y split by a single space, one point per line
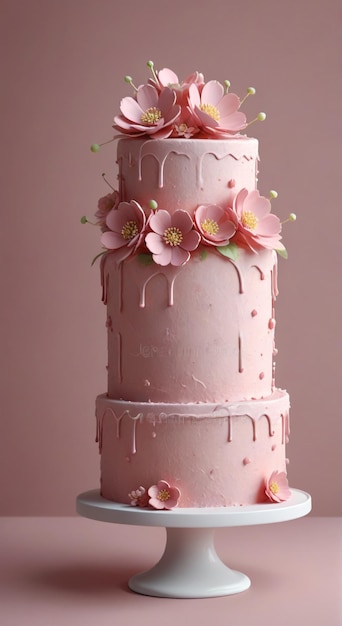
190 566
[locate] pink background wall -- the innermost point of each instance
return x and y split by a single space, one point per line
64 66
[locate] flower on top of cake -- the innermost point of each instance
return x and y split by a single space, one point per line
277 487
168 107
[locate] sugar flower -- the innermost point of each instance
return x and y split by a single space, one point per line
214 224
168 78
104 205
257 227
139 497
149 113
277 488
173 237
163 496
184 126
126 225
215 111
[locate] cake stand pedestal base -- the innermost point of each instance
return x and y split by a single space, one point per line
190 566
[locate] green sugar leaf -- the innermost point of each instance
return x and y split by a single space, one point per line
231 251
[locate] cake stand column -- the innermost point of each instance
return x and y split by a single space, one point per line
189 568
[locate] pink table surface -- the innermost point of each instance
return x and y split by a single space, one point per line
74 571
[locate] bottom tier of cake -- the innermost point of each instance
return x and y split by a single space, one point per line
215 454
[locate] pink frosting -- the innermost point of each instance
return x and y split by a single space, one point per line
186 334
216 455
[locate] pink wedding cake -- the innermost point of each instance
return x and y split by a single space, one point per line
192 416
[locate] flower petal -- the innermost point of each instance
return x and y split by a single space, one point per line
190 240
131 110
182 220
179 256
269 225
167 99
160 221
112 241
154 243
164 257
228 104
194 96
212 93
147 97
167 77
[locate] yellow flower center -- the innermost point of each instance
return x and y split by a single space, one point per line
130 230
151 116
211 110
163 495
210 226
249 220
173 236
274 488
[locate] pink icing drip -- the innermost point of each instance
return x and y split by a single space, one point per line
170 283
285 419
161 162
240 354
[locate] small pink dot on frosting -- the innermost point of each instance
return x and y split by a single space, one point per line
231 183
154 435
274 447
261 375
287 461
271 323
246 460
254 313
128 459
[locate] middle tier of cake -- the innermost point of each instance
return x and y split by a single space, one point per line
203 332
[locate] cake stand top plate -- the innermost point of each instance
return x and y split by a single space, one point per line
91 504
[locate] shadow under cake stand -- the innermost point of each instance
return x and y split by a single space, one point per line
190 566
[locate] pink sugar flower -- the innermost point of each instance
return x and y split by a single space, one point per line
126 225
185 126
149 113
214 224
172 238
277 487
168 78
257 227
215 111
139 497
163 496
104 205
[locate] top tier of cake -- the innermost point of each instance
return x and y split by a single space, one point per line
185 173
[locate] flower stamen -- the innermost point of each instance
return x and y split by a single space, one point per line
249 220
151 116
274 487
173 236
163 495
210 226
130 230
211 110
